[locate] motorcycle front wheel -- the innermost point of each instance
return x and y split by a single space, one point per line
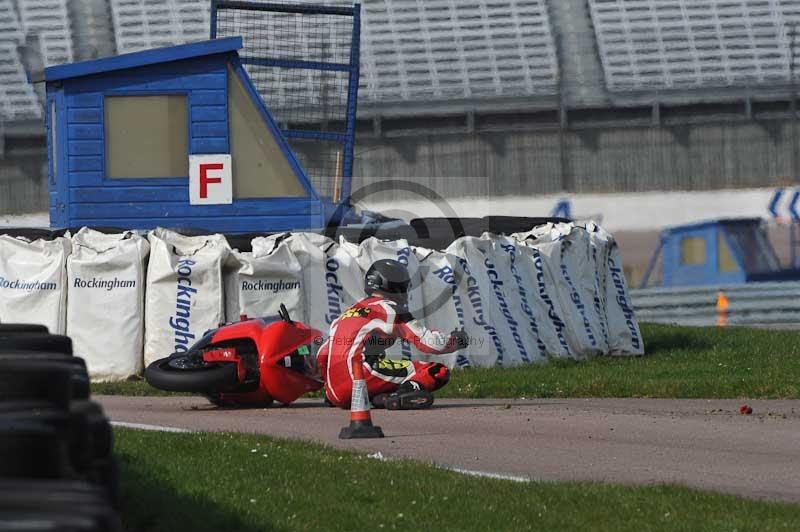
190 374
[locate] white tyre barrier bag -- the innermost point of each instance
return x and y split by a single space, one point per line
580 259
105 302
230 271
569 264
315 239
33 281
372 250
624 336
261 283
308 250
545 302
230 283
344 282
540 234
522 298
476 292
185 291
443 307
263 245
483 259
598 252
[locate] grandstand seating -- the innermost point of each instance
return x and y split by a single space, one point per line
194 18
142 24
679 44
48 20
441 49
10 27
789 11
92 31
469 49
18 101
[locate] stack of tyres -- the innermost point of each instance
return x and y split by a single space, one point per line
57 471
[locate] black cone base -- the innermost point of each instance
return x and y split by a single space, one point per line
360 429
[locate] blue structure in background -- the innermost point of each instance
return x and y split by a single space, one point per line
718 252
81 191
563 209
310 38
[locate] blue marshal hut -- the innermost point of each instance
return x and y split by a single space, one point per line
177 137
716 253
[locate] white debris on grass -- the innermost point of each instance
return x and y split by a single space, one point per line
469 472
486 474
151 428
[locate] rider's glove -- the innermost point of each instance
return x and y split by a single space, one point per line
461 338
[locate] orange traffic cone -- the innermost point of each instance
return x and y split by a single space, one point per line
722 309
360 420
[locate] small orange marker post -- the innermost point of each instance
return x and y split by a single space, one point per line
722 309
360 419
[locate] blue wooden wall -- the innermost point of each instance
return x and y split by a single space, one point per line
81 194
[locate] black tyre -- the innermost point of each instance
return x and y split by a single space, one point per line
47 382
32 450
98 426
105 475
49 486
73 428
88 503
81 385
190 374
438 233
21 354
507 225
47 343
433 228
93 505
40 521
16 328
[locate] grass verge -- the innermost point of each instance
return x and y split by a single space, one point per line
213 482
682 362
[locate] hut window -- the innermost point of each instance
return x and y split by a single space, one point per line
725 261
260 168
693 251
146 136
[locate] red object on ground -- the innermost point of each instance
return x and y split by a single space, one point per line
274 342
745 410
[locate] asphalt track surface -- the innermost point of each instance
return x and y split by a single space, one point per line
704 444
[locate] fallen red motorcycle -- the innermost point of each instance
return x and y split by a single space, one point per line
250 363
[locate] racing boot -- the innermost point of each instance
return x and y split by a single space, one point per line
379 401
410 396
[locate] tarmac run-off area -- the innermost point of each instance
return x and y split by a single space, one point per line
699 443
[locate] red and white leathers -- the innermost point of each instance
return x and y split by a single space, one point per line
371 318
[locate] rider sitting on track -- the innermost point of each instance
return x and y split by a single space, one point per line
370 327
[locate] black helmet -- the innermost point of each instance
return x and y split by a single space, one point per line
388 278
